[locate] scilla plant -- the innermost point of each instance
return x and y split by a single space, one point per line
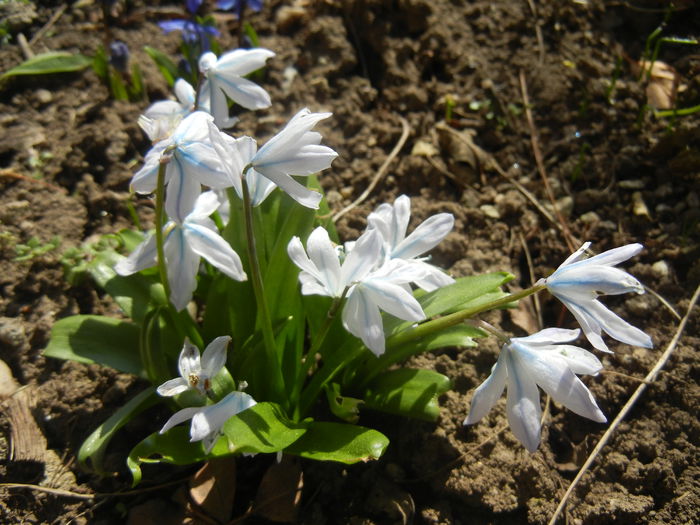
264 334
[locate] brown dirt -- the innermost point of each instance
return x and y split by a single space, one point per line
373 62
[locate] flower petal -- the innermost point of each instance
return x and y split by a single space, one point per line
214 356
550 336
523 403
179 417
173 387
210 245
425 237
393 299
363 258
189 361
325 258
144 256
488 393
182 266
182 191
362 319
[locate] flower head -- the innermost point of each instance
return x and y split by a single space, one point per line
161 118
197 372
538 360
296 150
369 286
392 222
208 421
191 162
578 282
185 244
193 33
224 77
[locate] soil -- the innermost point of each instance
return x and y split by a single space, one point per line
618 175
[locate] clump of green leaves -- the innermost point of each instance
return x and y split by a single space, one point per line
35 248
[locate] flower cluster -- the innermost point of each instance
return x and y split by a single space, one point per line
544 360
196 169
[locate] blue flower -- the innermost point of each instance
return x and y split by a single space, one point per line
193 33
239 5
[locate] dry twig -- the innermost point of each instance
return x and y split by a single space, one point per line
650 378
48 25
568 237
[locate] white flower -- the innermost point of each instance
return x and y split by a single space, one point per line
162 117
296 150
185 243
236 155
385 289
224 76
197 371
392 222
208 421
540 359
369 288
577 283
191 162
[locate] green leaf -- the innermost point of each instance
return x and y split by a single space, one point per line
172 447
262 428
48 63
454 296
343 407
339 442
408 392
97 339
461 335
135 294
93 448
166 66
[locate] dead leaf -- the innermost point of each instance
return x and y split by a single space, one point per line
662 87
523 316
213 488
424 149
279 493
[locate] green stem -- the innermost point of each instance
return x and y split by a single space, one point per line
265 323
310 360
160 199
415 333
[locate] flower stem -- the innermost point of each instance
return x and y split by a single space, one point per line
310 359
396 345
160 221
264 321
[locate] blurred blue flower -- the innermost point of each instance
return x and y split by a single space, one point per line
192 32
193 5
119 55
239 5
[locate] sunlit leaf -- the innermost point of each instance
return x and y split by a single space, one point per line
48 63
339 442
97 339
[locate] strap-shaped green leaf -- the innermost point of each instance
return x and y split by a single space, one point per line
339 442
455 296
47 63
262 428
97 339
407 392
172 447
93 448
167 67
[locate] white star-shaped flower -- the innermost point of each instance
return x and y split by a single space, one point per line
538 360
578 282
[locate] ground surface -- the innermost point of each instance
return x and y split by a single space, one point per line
619 175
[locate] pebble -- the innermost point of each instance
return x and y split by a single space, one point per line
43 96
12 331
490 211
660 269
590 217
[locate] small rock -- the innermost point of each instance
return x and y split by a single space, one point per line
12 331
660 269
289 16
636 184
490 211
639 207
346 192
43 96
590 217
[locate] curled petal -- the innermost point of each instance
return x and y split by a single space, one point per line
144 256
362 319
210 245
523 405
179 417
